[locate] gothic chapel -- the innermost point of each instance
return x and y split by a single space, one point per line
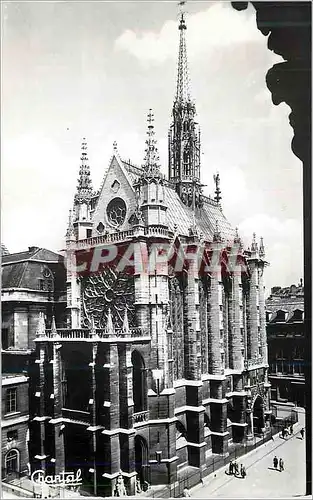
155 372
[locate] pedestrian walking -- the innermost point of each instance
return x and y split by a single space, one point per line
291 429
230 468
281 464
275 462
243 471
236 469
302 433
283 433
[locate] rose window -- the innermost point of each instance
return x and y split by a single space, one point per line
116 211
108 290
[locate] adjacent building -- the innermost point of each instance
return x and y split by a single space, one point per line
33 287
32 282
286 343
14 425
157 369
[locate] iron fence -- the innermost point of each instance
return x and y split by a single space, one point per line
216 462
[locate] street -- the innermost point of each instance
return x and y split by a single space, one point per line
262 480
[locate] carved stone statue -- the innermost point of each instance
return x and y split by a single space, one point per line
184 196
120 490
138 485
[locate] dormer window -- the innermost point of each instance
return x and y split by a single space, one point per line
281 315
297 315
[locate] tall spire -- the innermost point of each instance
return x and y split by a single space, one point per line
84 187
182 89
151 165
184 137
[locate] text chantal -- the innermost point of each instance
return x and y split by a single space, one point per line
67 478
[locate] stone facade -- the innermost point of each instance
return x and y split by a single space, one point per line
164 359
33 283
14 425
286 343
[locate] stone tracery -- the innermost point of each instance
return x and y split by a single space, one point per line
104 291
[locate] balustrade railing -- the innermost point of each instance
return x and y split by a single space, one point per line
156 230
142 416
105 238
69 333
100 333
249 363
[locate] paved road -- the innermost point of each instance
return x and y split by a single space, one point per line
262 481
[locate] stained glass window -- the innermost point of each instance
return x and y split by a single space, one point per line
116 211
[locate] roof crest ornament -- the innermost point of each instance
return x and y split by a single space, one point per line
217 196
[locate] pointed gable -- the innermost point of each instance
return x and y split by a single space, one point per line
116 199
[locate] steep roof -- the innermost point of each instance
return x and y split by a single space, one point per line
33 253
287 300
25 269
205 218
183 217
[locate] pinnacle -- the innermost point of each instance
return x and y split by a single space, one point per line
84 187
151 160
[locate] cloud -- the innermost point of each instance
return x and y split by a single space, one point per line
218 26
35 187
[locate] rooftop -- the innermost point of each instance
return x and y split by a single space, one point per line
32 254
286 304
30 269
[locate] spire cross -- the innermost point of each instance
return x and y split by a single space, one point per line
182 10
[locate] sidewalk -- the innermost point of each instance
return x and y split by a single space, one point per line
261 481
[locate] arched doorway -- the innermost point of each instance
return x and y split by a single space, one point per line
139 383
141 459
12 462
258 415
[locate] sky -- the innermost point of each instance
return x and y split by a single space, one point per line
93 69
